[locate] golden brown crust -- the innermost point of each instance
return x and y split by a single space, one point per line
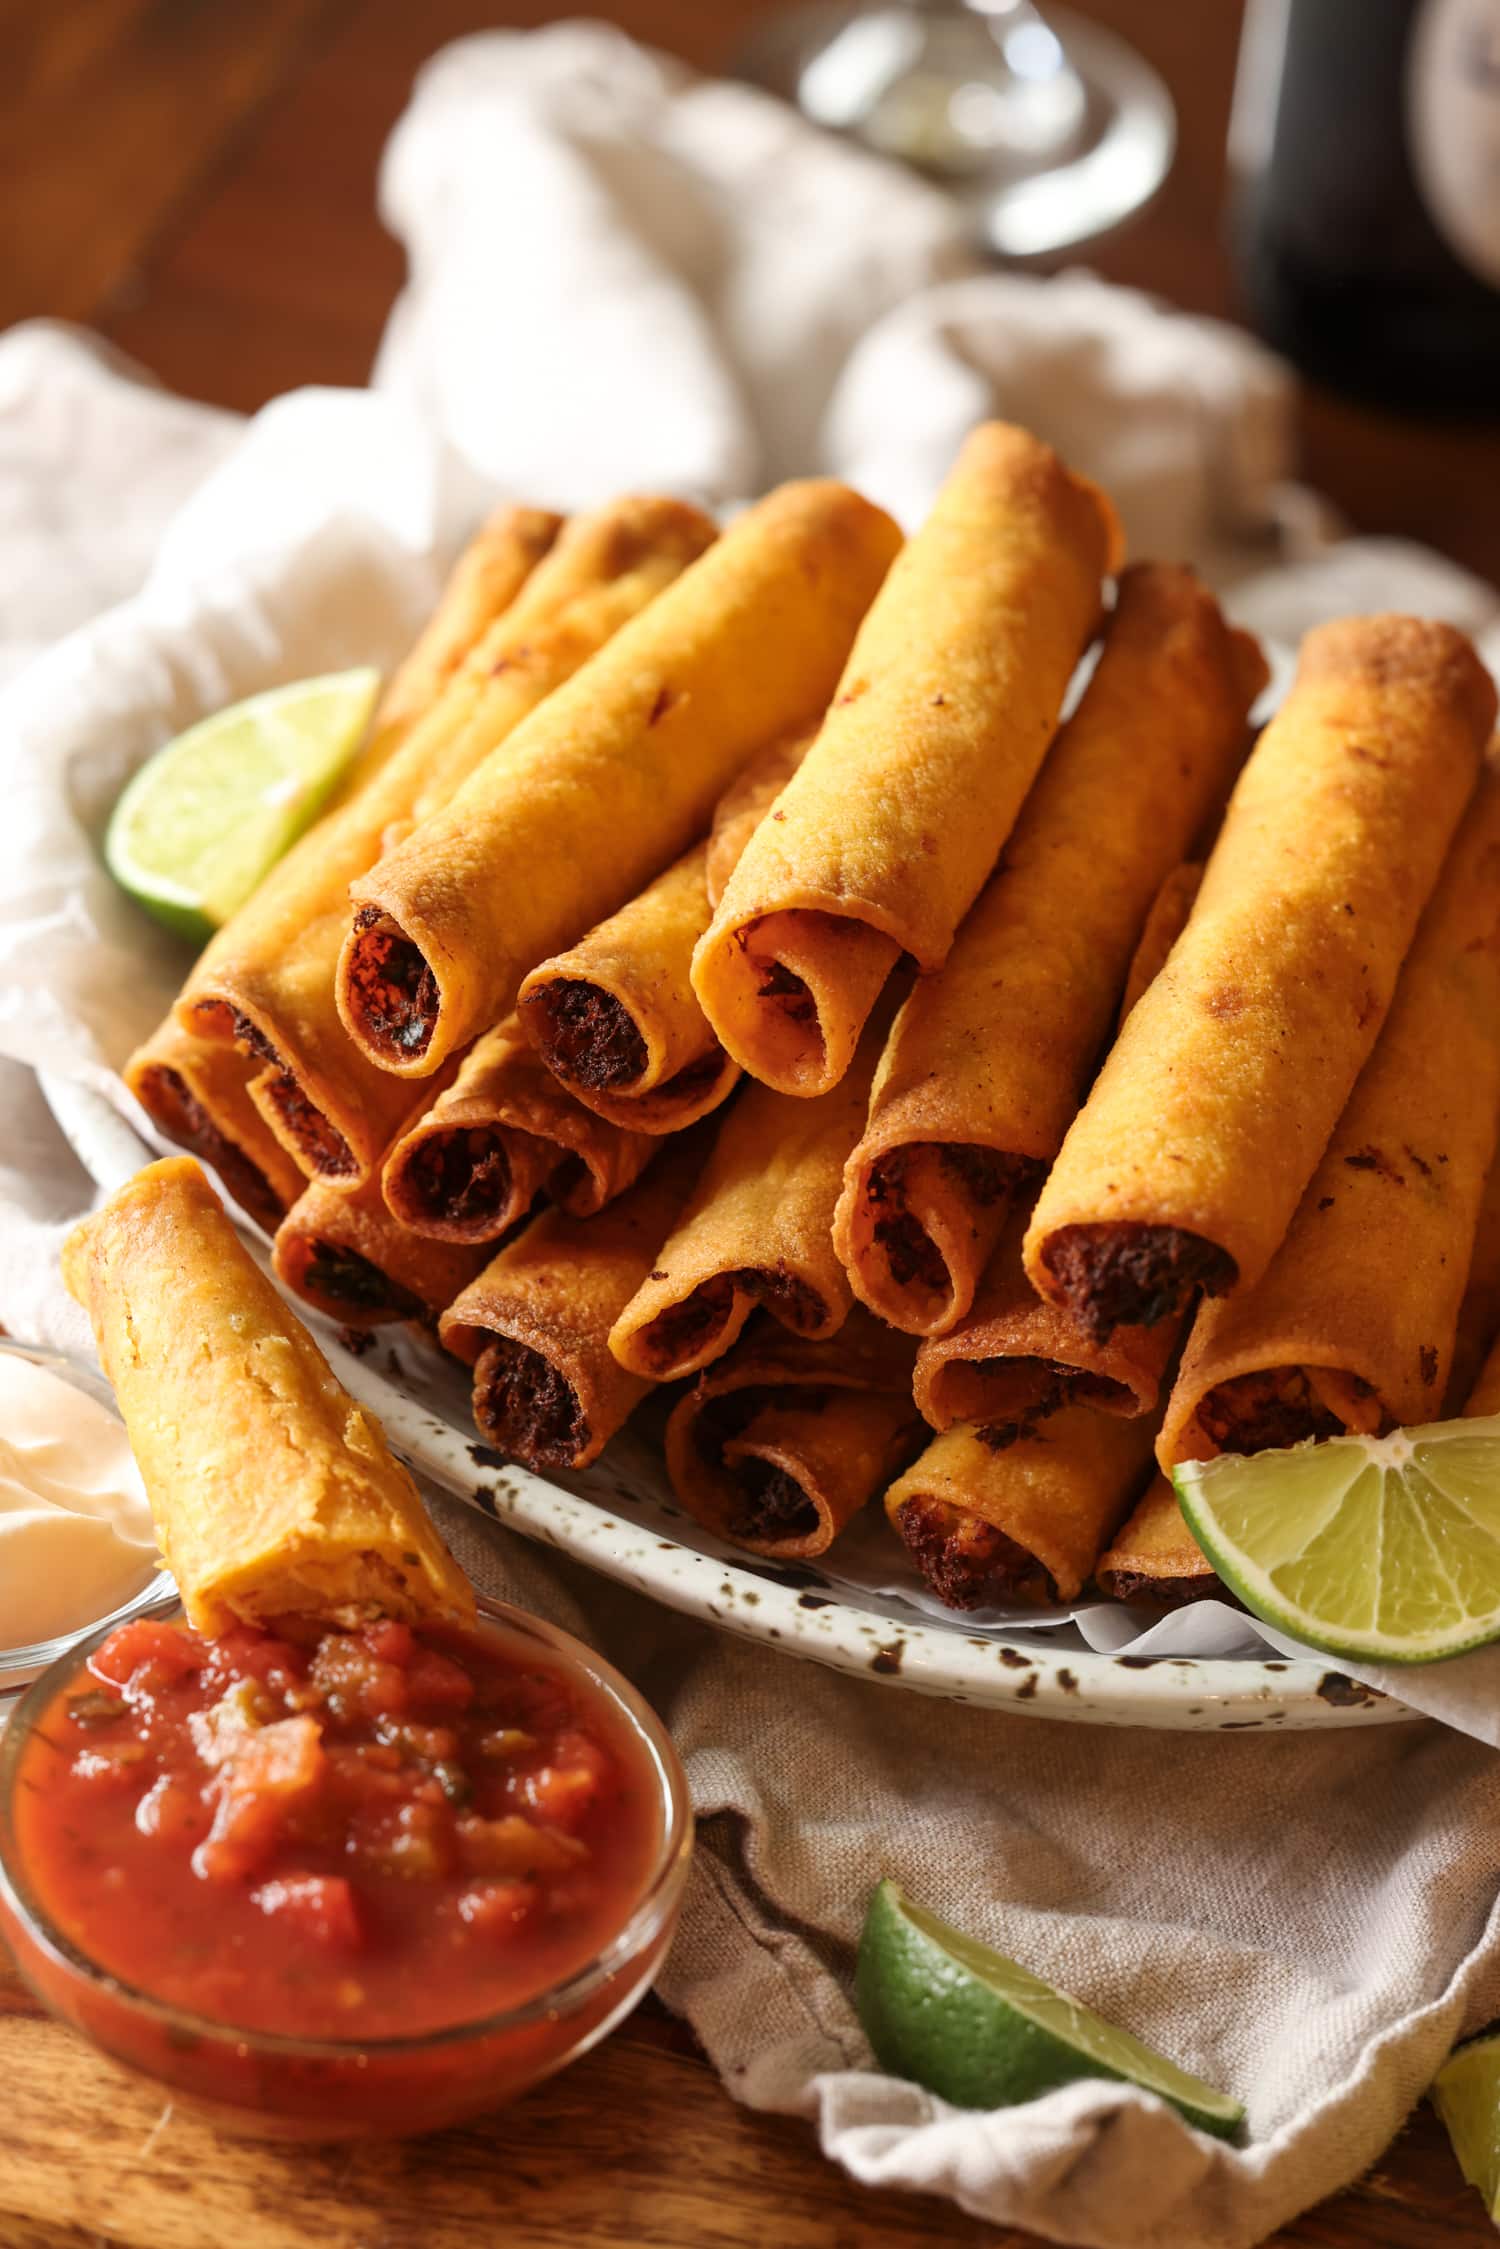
347 1256
197 1092
1155 1557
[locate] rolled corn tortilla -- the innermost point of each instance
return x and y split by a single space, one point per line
1352 1326
197 1092
535 1324
267 978
613 779
347 1256
990 1057
1171 910
1155 1557
887 831
757 1231
481 586
1479 1310
778 1446
273 1493
1016 1359
993 1519
1187 1161
746 802
502 1133
616 1019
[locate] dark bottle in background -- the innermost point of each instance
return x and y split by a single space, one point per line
1365 154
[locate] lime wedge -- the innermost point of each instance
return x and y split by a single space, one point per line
974 2027
1466 2095
1385 1549
205 818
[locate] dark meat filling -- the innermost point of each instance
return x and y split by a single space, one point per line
393 988
323 1145
526 1408
769 1503
462 1176
343 1278
252 1039
913 1257
1265 1412
778 983
683 1328
968 1563
587 1037
1132 1275
1165 1592
180 1114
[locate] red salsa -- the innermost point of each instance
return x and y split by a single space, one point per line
340 1835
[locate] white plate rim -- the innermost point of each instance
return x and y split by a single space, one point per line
760 1602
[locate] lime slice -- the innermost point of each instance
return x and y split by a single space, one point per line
1466 2095
206 817
1385 1549
972 2026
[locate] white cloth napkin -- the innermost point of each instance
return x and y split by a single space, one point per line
622 276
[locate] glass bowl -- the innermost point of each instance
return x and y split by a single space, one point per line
20 1665
273 2085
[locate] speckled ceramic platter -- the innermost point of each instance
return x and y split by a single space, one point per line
619 1518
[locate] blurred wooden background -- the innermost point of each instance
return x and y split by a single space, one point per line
196 178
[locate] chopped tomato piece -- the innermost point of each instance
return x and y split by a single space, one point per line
514 1846
173 1808
321 1906
147 1645
390 1641
563 1790
412 1840
113 1764
497 1909
356 1682
279 1768
244 1653
435 1682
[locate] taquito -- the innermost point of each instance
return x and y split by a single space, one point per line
995 1518
745 803
617 1020
1155 1557
502 1133
196 1091
989 1058
1479 1308
780 1445
273 1493
1016 1359
481 586
757 1231
535 1324
345 1255
613 779
1165 923
1352 1325
267 977
888 829
1187 1161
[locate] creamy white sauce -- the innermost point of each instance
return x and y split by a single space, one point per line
75 1530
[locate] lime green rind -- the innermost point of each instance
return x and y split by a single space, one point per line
982 2032
1466 2095
1383 1550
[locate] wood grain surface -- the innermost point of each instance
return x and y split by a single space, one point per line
196 178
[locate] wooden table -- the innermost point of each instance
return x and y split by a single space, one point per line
195 178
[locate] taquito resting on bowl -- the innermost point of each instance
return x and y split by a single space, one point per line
884 836
989 1058
347 1256
613 779
993 1519
1155 1557
267 978
502 1133
616 1018
778 1446
535 1324
757 1231
1352 1325
1187 1161
197 1092
273 1493
1016 1358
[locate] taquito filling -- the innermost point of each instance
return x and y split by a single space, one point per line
1165 1592
168 1099
766 1501
682 1330
982 1176
323 1147
588 1037
1266 1411
462 1177
968 1563
1133 1275
526 1407
391 988
353 1284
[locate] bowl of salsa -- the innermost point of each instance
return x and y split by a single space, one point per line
329 1883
